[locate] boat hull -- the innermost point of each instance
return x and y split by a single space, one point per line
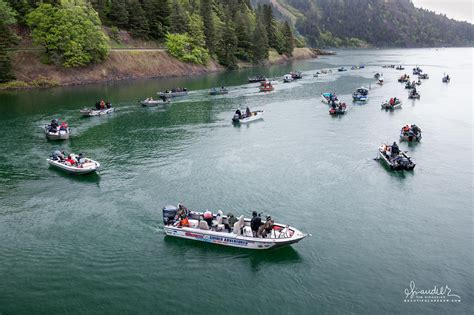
59 135
336 112
410 137
153 103
395 167
361 99
95 112
218 92
256 116
230 239
389 107
88 167
173 94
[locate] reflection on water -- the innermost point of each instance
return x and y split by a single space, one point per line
257 258
85 178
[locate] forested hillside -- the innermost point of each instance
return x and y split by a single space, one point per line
71 31
381 23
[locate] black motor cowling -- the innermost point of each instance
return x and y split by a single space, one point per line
169 213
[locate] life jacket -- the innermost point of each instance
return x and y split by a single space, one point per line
184 222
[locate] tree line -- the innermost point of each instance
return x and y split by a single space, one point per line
71 31
380 23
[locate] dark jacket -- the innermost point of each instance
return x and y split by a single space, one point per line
255 223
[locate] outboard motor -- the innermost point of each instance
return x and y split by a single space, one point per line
169 213
404 162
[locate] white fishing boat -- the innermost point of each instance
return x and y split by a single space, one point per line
89 112
239 235
394 103
57 134
414 94
84 167
287 78
150 102
410 133
397 161
56 130
173 93
246 118
219 91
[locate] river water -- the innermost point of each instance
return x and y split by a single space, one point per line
95 244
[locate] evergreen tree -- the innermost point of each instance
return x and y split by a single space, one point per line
288 39
7 39
179 18
209 30
137 22
227 46
244 36
101 7
157 13
196 31
269 24
118 13
260 42
22 7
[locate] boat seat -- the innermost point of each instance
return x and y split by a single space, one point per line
203 225
193 223
248 231
239 225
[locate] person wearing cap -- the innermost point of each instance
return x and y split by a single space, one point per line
266 228
255 223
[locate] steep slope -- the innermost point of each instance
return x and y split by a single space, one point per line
378 22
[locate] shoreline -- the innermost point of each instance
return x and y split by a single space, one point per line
124 65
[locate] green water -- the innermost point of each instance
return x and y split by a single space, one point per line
95 244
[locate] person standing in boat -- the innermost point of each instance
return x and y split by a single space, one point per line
248 113
182 211
266 228
395 150
97 105
255 223
102 104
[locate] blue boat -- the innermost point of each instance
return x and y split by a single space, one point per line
360 95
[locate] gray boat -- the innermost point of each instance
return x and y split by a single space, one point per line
173 93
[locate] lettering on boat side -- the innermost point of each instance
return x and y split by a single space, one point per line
215 239
436 294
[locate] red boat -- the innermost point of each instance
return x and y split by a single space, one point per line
266 86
